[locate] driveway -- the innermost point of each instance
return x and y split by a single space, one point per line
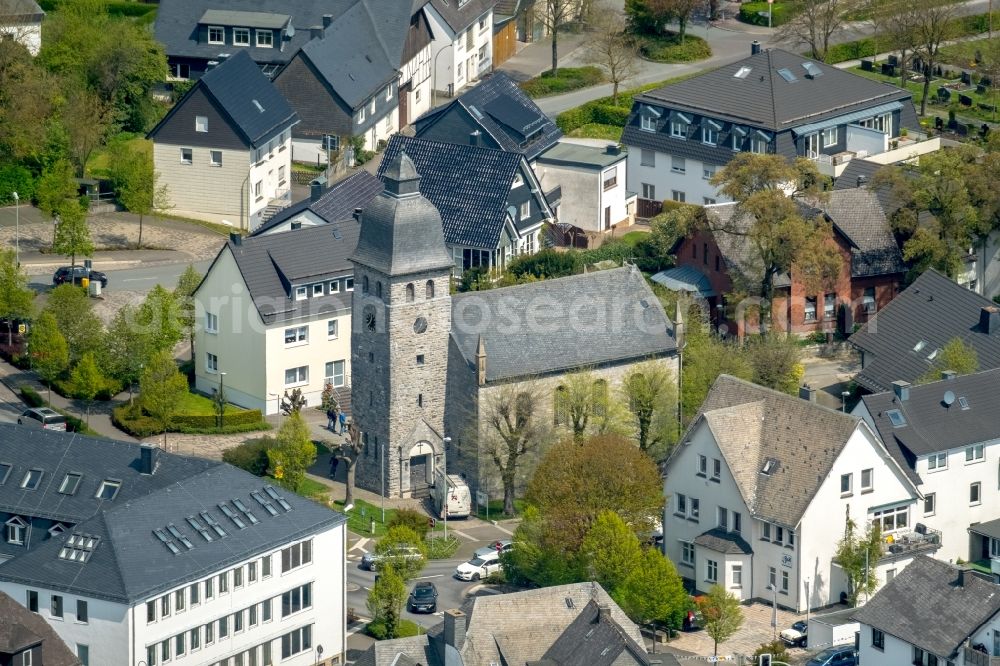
755 631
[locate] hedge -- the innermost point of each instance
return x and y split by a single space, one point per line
132 420
669 48
964 26
15 178
565 79
250 456
750 13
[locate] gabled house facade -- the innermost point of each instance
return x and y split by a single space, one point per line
224 150
25 638
773 102
21 20
760 487
463 42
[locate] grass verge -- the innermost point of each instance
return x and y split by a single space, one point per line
566 79
406 628
496 510
359 519
597 131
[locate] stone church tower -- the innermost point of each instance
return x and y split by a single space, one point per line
400 327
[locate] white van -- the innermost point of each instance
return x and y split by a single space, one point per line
456 493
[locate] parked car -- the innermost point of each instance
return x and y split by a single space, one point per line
371 561
796 635
835 656
43 417
478 567
494 547
75 274
423 598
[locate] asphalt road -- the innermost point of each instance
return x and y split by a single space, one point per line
133 279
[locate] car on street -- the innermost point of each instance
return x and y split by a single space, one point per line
796 635
75 275
478 567
494 547
835 656
43 417
372 561
423 598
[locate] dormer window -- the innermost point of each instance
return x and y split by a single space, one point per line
265 39
216 34
301 293
678 129
241 36
15 531
647 123
57 529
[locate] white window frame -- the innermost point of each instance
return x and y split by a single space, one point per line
647 122
201 123
211 323
332 329
317 289
849 477
211 362
301 293
301 375
190 156
649 191
268 43
212 161
974 454
830 136
737 575
334 287
937 461
678 129
867 487
220 29
708 172
976 487
338 379
388 93
687 553
712 571
241 31
349 284
14 531
678 196
709 136
930 499
678 164
892 514
524 211
296 336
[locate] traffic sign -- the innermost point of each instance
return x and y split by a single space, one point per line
21 329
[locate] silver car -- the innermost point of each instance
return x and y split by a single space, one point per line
43 417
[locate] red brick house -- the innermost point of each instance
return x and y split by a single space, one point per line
712 264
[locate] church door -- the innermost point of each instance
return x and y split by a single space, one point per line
418 476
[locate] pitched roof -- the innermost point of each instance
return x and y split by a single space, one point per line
762 97
337 204
594 639
741 261
504 112
273 264
127 562
857 214
460 16
911 606
20 629
415 650
754 425
21 10
596 318
933 310
723 541
469 185
930 425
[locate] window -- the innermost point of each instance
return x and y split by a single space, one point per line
610 180
677 164
929 500
766 532
301 293
317 289
211 323
791 539
830 137
211 362
525 211
56 606
31 479
810 309
429 290
258 190
709 201
677 195
209 589
716 467
737 522
265 38
296 599
165 605
295 556
647 158
150 611
974 453
758 145
695 509
723 519
238 577
252 616
784 581
709 136
215 158
179 601
388 92
846 484
335 373
265 611
296 641
108 489
299 375
187 156
265 566
737 575
82 653
889 520
937 461
687 553
361 115
647 122
678 129
708 172
779 535
216 35
975 493
194 636
70 483
868 301
209 634
296 335
237 622
648 191
829 303
194 595
241 36
32 601
702 465
878 639
201 123
151 655
223 627
772 577
371 107
866 480
180 644
711 571
681 504
180 70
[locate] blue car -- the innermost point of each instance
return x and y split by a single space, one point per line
835 656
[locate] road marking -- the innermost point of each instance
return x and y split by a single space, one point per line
503 530
463 535
426 577
140 279
360 544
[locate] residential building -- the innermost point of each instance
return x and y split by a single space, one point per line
463 42
901 342
338 203
946 436
591 181
25 638
773 102
426 364
760 488
224 150
564 625
366 74
273 315
932 614
490 201
136 555
21 20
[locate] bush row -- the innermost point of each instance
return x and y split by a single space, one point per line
564 80
750 12
866 48
132 420
250 456
671 49
603 111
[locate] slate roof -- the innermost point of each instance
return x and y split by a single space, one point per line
413 650
857 214
933 426
753 424
503 112
763 98
594 640
129 563
469 185
460 16
742 263
721 541
26 11
337 204
934 310
911 606
272 264
597 318
20 628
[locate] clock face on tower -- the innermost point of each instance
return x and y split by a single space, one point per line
369 318
420 325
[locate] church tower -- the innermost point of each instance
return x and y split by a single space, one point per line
400 327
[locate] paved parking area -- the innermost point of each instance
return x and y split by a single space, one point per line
756 630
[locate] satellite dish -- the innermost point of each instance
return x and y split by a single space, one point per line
949 398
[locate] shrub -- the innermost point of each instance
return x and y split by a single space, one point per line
130 419
411 518
240 418
669 48
130 9
224 430
860 48
608 114
546 264
377 630
31 397
750 13
250 456
15 178
564 80
441 548
577 117
776 649
496 578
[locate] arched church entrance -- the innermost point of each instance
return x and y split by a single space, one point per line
421 469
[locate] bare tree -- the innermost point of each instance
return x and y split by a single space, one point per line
815 23
933 24
612 48
880 14
900 34
554 15
514 430
350 452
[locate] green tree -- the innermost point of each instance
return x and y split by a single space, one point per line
27 92
136 182
649 16
650 391
187 284
538 558
777 649
933 25
55 187
705 358
125 348
956 356
776 362
585 405
48 349
72 236
75 316
159 318
294 452
86 380
654 592
611 551
161 389
17 300
393 547
83 117
386 599
613 49
858 555
720 614
411 518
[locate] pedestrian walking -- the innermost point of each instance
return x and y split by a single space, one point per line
343 423
331 418
334 461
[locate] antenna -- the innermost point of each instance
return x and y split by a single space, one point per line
949 398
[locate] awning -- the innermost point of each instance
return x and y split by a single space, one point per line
989 529
848 118
685 278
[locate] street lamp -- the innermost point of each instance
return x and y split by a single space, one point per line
17 230
444 463
843 400
774 611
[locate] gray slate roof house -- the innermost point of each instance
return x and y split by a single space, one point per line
503 114
860 219
460 15
16 12
901 341
932 605
22 631
335 204
127 561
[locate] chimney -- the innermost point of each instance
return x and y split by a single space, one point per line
603 612
961 578
316 188
902 390
454 628
316 32
754 47
948 375
147 458
989 320
235 238
327 20
806 392
356 214
474 138
481 362
862 181
613 149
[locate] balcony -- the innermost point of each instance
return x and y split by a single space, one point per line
977 658
909 544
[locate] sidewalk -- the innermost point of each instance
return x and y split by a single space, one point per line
37 263
534 58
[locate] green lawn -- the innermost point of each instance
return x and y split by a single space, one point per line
496 509
314 489
97 165
359 519
597 131
199 405
633 238
566 79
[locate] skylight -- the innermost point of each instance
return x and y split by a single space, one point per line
197 525
70 483
770 465
963 403
896 418
933 355
787 75
176 533
78 547
211 523
812 69
231 515
264 502
167 541
920 345
742 72
277 498
5 472
476 112
243 507
259 107
109 489
31 479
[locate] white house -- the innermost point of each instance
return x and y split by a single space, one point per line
932 614
133 555
759 490
462 50
273 315
21 20
946 437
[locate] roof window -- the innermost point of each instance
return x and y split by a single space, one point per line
167 541
109 489
207 517
743 72
5 472
770 466
277 498
264 502
231 515
920 345
200 528
70 483
78 547
176 533
963 403
812 70
934 354
787 75
238 503
896 418
32 478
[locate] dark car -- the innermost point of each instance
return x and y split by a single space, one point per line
797 635
75 275
423 598
835 656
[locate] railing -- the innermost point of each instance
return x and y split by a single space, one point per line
921 539
977 658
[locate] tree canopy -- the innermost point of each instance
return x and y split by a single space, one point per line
293 453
